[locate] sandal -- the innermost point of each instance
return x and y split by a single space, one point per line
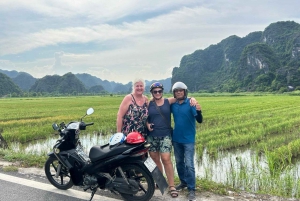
173 192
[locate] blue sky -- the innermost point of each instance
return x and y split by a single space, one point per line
121 40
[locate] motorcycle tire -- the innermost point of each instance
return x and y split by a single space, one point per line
63 181
144 179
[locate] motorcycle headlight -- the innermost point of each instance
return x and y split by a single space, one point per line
56 150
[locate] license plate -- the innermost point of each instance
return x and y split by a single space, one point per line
150 164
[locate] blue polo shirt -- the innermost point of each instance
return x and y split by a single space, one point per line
185 122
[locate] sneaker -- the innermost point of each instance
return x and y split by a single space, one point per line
191 196
180 186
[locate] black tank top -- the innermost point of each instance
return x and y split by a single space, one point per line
161 125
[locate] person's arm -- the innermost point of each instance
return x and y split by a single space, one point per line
199 117
122 110
193 101
171 100
149 126
147 123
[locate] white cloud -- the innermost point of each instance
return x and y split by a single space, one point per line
6 64
115 41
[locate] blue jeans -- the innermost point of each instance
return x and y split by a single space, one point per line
184 156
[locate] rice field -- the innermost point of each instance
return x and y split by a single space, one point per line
266 125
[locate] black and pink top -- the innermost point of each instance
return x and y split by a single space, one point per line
135 118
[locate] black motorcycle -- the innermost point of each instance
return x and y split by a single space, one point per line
121 166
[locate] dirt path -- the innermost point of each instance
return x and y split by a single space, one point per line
34 173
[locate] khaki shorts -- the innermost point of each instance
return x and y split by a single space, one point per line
160 144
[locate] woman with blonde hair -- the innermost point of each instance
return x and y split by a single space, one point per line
133 110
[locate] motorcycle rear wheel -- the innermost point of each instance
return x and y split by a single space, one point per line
63 181
144 179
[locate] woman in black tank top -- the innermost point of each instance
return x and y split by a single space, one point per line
159 133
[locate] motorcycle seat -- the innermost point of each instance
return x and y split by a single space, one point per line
106 151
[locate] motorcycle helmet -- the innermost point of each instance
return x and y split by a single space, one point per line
156 85
135 138
117 138
180 85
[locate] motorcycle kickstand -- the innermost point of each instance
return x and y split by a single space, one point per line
93 193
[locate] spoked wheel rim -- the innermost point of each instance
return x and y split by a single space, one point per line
63 181
144 181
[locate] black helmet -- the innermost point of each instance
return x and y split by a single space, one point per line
180 85
156 85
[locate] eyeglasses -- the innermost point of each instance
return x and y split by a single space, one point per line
157 92
178 90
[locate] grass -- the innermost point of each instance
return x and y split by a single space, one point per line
267 124
24 159
10 168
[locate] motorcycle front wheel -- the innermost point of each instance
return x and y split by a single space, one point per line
144 180
63 181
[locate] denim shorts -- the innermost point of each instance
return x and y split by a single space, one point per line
160 144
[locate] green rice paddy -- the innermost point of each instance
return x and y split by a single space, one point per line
268 125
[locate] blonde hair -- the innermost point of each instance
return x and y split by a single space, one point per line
136 80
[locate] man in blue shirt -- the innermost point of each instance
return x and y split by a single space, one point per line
183 138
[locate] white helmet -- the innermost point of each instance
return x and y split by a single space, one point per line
117 138
180 85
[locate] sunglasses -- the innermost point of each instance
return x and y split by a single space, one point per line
157 92
178 90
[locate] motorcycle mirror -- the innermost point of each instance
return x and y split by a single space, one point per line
90 111
55 127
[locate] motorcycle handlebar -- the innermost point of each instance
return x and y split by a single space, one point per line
89 124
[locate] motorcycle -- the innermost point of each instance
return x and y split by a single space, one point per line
121 166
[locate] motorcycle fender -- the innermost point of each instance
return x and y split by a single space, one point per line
157 175
51 154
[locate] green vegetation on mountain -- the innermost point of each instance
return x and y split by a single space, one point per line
265 61
66 84
257 67
90 81
7 87
11 74
261 61
96 89
24 81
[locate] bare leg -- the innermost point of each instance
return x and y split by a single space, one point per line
166 160
156 158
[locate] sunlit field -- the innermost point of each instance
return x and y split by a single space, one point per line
29 119
267 125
